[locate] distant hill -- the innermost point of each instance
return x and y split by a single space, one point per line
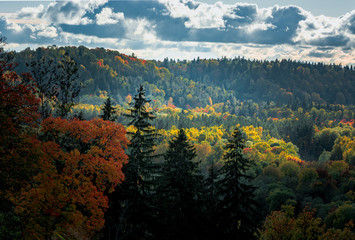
200 81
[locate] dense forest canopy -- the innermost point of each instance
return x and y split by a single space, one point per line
102 145
195 82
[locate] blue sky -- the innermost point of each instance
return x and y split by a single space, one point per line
306 30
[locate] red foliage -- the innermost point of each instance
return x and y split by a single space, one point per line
276 150
80 162
247 150
18 120
171 105
350 123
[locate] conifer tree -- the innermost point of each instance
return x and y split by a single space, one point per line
179 191
237 214
141 149
109 112
210 207
132 212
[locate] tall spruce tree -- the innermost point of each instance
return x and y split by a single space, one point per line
109 112
132 212
211 200
179 192
237 208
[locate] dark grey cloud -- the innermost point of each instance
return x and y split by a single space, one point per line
240 23
336 41
319 54
148 9
240 16
285 21
117 30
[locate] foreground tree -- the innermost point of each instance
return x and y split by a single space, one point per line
19 152
180 192
80 162
237 208
131 213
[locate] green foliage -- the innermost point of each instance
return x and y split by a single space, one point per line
341 216
279 197
298 137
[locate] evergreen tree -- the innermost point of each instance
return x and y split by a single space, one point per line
237 213
211 200
132 212
109 112
179 191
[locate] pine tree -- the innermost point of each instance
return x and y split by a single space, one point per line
180 190
211 199
237 208
132 212
141 149
109 112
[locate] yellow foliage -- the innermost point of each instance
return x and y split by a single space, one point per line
254 134
119 59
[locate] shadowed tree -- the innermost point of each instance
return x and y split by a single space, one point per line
57 83
45 77
132 213
109 112
237 208
179 192
68 85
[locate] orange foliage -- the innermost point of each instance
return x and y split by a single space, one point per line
18 117
119 59
128 98
101 64
80 161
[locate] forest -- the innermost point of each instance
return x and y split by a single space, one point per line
97 144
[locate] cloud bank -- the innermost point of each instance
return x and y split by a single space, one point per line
186 29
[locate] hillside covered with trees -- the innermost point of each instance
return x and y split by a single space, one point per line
194 82
97 144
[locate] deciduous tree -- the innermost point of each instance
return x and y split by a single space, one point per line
80 162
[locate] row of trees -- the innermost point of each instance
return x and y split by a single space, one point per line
287 180
196 82
66 168
171 199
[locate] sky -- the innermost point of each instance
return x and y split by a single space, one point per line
302 30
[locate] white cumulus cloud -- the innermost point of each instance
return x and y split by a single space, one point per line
107 16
